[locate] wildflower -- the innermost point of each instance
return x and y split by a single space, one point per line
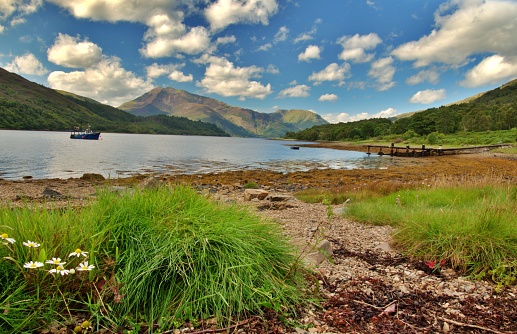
5 237
31 244
85 267
78 252
55 261
71 271
59 270
33 265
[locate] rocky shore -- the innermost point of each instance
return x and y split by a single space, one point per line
367 287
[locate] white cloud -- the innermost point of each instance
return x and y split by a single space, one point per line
106 82
166 35
383 70
306 36
428 96
332 72
296 91
491 70
173 71
354 47
195 41
465 28
272 69
14 11
431 76
68 51
226 40
226 12
26 64
265 47
281 35
328 97
311 52
344 117
224 78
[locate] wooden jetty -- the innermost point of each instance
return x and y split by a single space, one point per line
423 151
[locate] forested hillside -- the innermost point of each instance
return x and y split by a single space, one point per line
494 110
25 105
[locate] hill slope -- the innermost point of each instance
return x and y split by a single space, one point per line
25 105
234 120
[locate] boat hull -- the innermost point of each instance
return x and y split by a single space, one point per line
88 136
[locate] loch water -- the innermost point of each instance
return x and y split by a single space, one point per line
45 154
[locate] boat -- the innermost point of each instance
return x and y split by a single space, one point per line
295 147
84 134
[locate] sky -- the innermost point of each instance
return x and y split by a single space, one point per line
343 59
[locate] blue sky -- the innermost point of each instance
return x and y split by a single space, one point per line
345 60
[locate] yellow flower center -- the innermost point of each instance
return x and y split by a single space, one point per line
5 235
85 324
78 251
59 268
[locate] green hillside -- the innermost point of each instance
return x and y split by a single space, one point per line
234 120
491 111
25 105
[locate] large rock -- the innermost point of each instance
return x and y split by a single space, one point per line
250 194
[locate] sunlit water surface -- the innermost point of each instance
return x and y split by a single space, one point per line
42 154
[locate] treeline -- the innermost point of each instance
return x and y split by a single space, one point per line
495 110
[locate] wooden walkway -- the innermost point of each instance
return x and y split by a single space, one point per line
407 151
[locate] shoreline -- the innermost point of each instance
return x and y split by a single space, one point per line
366 275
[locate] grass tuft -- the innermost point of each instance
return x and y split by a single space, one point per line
162 257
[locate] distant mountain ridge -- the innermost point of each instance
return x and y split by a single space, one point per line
236 121
25 105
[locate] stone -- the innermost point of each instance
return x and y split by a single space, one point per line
50 193
278 198
250 194
92 177
149 183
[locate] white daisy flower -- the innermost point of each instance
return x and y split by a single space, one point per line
78 252
31 244
85 267
55 260
33 265
5 237
59 270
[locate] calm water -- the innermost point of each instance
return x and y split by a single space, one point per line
43 154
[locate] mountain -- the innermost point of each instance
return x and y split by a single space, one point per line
25 105
234 120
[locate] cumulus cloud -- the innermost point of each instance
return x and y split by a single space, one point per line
428 96
224 78
491 70
172 70
69 51
465 28
296 91
272 69
13 12
311 52
344 117
106 82
195 41
265 47
383 70
26 64
431 76
332 72
166 35
226 12
354 47
328 97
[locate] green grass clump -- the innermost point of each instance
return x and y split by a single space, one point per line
162 257
472 228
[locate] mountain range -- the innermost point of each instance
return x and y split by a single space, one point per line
25 105
234 120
